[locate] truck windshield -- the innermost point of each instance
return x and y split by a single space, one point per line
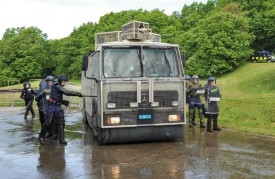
160 62
128 62
122 63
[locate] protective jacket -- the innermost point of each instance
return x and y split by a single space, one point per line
212 96
56 94
27 94
43 96
193 96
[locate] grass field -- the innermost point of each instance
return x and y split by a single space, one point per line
8 98
34 85
248 99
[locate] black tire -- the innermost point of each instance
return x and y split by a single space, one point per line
94 125
84 114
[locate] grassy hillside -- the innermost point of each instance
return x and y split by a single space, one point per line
248 99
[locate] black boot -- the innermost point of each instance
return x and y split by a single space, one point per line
201 119
61 135
41 137
49 131
54 130
215 121
41 140
209 128
26 113
32 111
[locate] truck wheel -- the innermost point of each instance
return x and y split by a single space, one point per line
84 115
269 61
94 122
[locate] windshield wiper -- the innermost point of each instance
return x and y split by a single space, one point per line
167 62
140 61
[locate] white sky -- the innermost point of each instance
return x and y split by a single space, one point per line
57 18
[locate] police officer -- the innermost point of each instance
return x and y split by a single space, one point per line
42 97
54 111
212 96
27 94
195 90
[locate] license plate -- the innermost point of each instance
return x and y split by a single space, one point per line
145 116
215 99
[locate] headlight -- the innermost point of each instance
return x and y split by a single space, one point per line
154 104
175 103
111 105
173 118
113 120
133 105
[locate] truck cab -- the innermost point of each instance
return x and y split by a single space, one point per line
134 87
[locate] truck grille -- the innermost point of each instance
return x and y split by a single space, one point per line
123 98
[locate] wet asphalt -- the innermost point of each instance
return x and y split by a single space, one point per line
200 154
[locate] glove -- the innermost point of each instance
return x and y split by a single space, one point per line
66 103
79 95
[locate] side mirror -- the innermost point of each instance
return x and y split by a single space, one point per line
85 63
183 60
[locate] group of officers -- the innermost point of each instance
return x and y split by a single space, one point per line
49 99
211 93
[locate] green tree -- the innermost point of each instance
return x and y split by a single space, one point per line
23 53
219 43
68 52
262 14
192 14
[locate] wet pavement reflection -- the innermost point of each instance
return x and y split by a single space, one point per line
200 154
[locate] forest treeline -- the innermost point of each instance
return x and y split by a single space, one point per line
216 37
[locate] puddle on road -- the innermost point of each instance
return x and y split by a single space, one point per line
200 154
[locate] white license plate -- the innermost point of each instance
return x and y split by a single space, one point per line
200 91
215 99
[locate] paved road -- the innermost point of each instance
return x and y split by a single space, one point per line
200 154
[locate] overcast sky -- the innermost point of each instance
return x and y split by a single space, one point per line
57 18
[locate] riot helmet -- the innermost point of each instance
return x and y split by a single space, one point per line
49 80
187 79
62 78
195 79
26 85
210 79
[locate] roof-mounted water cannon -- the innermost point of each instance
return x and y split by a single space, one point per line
132 31
136 31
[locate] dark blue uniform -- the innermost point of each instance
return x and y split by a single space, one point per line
42 98
27 95
55 112
212 97
194 101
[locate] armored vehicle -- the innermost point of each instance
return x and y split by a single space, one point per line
134 87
